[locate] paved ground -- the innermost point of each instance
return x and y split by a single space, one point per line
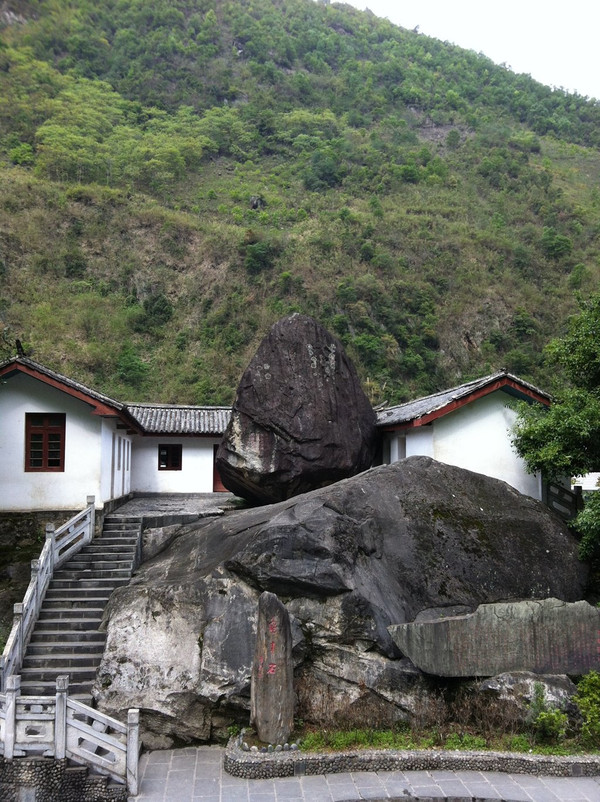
196 775
164 505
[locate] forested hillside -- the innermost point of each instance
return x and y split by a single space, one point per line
176 175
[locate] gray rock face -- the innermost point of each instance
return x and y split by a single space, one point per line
300 418
348 561
547 637
518 689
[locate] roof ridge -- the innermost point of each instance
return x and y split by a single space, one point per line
27 362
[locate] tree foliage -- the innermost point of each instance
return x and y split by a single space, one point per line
431 207
565 439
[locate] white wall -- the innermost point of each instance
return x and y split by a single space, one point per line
419 441
591 481
195 476
84 441
476 437
116 461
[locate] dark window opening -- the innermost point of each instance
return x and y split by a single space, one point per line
169 457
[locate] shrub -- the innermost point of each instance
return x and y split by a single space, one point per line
587 524
587 700
466 741
555 245
518 743
259 256
22 154
130 368
549 725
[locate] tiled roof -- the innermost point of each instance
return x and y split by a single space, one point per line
413 410
169 419
25 365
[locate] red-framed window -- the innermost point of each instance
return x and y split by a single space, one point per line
169 457
45 441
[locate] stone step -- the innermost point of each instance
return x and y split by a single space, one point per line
61 613
119 528
54 660
120 533
78 674
109 552
77 690
72 580
71 597
66 624
66 586
74 568
89 564
65 636
60 602
45 648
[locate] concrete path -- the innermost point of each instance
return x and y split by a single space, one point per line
183 505
196 775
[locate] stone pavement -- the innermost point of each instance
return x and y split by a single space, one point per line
195 774
165 508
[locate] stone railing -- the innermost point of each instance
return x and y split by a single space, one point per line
60 544
60 727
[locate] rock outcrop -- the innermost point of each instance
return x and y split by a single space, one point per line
349 560
300 419
545 636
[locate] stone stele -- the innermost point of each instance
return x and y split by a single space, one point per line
272 690
548 636
300 419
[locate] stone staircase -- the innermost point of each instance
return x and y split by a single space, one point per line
66 638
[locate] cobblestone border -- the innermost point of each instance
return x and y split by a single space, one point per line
45 779
252 765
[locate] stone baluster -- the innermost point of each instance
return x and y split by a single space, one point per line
133 750
13 691
35 578
19 645
91 504
60 720
51 536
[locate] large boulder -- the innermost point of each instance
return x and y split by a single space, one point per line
546 636
300 419
349 560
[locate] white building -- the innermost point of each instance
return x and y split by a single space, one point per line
61 441
468 426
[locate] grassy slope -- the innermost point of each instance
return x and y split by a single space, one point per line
161 294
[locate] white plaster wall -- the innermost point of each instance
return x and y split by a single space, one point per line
591 481
477 437
21 490
115 477
195 476
419 442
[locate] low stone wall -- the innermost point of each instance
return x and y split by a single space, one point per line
252 765
47 780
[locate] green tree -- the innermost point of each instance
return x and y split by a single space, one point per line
564 440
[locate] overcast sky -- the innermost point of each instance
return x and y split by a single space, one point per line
554 41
